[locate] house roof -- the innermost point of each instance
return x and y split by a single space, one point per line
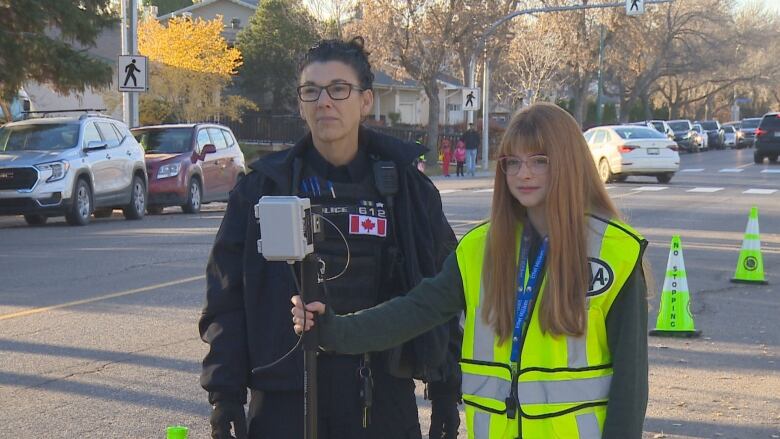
251 4
384 80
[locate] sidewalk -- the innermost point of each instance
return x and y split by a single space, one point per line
482 180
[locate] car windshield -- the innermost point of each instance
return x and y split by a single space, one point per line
680 126
750 123
728 129
638 133
39 137
165 140
658 126
709 125
697 128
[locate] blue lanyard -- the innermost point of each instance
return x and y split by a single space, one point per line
525 291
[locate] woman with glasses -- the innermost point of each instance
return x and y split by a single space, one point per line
554 295
391 217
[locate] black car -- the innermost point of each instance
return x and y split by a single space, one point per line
714 133
748 130
683 134
768 138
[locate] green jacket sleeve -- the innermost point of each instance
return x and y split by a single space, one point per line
431 303
627 339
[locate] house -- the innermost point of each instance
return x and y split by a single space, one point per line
406 100
235 14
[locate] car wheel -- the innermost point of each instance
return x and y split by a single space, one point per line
154 210
620 178
604 172
193 197
103 213
757 159
665 177
36 220
81 207
137 207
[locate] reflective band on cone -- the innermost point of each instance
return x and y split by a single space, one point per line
674 317
750 266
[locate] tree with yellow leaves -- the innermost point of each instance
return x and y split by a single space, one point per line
190 66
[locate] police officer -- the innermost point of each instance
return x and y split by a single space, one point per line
391 218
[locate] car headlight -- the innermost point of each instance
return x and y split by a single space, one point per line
170 170
53 171
686 135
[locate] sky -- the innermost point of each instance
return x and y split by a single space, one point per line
771 4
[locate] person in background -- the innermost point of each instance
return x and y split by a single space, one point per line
471 138
446 156
460 158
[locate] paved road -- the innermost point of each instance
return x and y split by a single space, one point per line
98 324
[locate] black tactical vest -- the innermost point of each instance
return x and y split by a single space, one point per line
361 216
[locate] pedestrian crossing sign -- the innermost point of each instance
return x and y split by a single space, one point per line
132 74
470 99
635 7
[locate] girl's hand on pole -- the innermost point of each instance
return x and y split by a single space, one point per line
297 313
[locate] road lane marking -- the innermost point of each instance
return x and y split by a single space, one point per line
693 170
771 171
449 191
707 190
745 165
31 311
760 191
731 170
651 188
483 190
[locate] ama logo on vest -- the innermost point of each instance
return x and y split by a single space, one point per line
601 277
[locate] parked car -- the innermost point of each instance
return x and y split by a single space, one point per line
699 138
767 138
729 136
190 164
623 150
659 125
683 134
71 166
748 130
714 133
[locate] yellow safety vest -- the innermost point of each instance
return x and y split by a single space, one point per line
562 383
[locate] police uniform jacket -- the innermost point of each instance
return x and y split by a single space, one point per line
246 318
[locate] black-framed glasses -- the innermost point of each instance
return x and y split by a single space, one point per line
337 91
511 165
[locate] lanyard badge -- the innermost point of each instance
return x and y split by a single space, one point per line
525 291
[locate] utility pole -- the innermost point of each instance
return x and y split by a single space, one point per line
600 95
129 34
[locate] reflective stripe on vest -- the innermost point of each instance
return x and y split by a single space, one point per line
563 382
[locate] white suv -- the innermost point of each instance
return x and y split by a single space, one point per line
72 166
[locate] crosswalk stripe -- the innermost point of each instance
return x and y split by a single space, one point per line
449 191
692 170
483 190
651 188
760 191
731 170
771 171
705 189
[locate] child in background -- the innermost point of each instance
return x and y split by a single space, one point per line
460 157
446 156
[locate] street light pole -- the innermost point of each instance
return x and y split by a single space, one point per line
129 34
493 27
600 95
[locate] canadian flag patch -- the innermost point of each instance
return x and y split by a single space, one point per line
367 225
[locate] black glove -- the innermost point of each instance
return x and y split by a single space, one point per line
445 417
225 413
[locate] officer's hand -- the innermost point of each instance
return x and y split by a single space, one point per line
297 312
224 414
445 418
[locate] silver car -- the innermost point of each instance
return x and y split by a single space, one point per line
71 166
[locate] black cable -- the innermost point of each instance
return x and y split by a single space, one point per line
259 369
